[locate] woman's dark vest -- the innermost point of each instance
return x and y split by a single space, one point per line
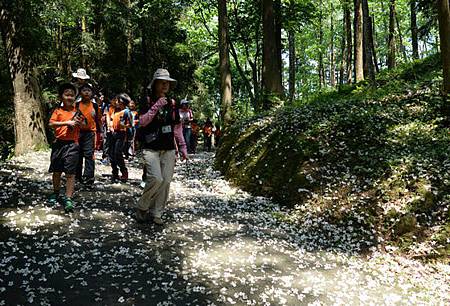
155 135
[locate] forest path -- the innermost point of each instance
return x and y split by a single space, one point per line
219 246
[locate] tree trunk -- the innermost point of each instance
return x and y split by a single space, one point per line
332 56
372 39
385 34
320 65
444 35
414 30
291 39
349 57
28 109
256 72
271 76
278 25
98 18
83 33
129 34
241 71
60 49
224 60
144 49
368 38
359 62
391 42
343 48
400 37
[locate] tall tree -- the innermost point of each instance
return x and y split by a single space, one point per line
332 55
278 25
129 35
400 38
83 38
28 109
292 66
391 41
271 61
358 34
372 43
368 41
348 31
343 59
444 35
320 65
225 73
414 30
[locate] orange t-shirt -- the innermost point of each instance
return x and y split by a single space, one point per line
111 113
64 132
88 112
116 119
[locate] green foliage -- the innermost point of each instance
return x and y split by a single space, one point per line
364 151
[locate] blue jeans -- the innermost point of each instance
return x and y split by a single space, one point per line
187 138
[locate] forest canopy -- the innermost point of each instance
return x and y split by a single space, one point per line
266 53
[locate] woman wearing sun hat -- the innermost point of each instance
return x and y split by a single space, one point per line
160 127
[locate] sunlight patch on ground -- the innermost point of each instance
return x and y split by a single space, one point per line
28 221
219 246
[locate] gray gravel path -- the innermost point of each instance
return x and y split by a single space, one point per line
219 246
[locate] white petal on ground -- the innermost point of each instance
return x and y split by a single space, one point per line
219 245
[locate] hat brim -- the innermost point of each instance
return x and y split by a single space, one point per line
172 81
85 77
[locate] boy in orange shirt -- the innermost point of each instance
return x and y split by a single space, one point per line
121 121
65 150
89 109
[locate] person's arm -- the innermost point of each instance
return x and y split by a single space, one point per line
98 119
146 118
62 123
179 138
53 122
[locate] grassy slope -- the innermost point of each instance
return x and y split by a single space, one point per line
378 158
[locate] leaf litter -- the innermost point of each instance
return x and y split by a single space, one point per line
219 245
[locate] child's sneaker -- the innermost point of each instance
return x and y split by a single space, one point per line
53 199
68 205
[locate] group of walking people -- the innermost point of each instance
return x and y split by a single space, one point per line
162 128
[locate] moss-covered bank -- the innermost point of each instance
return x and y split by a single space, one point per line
377 158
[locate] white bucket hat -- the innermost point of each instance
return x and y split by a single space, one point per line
162 74
81 74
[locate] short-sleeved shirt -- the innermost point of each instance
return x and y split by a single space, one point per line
65 132
111 113
89 113
118 119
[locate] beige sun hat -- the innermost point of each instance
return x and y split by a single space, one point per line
162 74
81 74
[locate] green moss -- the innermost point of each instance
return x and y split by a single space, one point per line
348 154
